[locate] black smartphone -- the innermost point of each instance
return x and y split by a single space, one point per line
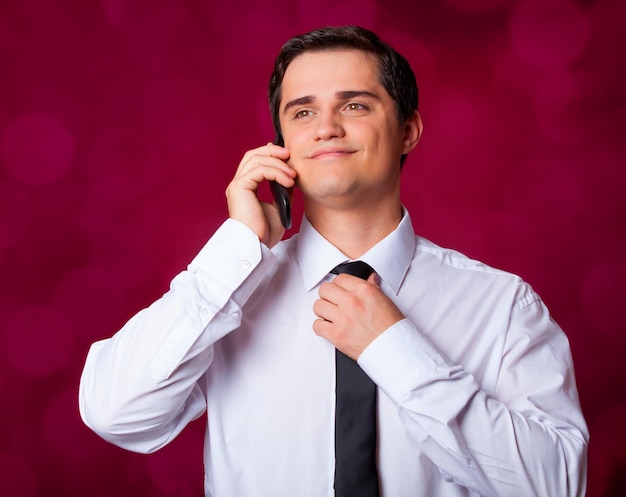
281 194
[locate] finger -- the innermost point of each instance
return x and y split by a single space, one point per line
325 310
322 328
349 282
332 292
265 162
269 150
253 176
277 150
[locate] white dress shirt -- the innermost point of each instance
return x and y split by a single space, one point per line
476 390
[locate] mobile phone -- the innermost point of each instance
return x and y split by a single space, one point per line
281 194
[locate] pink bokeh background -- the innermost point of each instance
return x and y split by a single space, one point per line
122 121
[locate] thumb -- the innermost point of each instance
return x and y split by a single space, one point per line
374 279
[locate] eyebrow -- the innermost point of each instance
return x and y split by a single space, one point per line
298 101
341 95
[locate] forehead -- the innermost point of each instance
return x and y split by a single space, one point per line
330 71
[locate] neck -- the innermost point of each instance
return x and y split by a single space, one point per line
356 230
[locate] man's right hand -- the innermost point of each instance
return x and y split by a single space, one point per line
258 165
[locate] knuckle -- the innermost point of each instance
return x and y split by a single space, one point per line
369 291
352 300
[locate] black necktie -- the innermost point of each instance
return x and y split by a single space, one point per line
356 474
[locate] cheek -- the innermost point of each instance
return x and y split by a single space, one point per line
295 142
389 143
377 146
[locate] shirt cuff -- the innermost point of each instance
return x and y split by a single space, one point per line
402 359
236 261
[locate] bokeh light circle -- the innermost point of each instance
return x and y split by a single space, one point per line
37 148
556 98
120 162
15 213
602 297
478 5
89 312
116 11
61 422
549 34
19 478
37 341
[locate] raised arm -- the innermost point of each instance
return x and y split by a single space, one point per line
140 388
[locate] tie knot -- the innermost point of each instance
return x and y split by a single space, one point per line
355 268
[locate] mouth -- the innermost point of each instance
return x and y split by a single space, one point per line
330 153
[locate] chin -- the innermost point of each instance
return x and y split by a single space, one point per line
332 189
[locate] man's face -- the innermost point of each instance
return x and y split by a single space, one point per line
340 125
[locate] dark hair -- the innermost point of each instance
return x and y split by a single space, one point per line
395 73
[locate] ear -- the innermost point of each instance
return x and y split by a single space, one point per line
412 132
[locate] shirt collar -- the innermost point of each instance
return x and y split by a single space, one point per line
390 258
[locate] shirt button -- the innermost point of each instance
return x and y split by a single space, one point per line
245 263
204 311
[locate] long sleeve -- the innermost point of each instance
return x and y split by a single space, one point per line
140 388
522 436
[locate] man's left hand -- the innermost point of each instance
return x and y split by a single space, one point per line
352 312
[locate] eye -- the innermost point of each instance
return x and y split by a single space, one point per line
303 113
355 106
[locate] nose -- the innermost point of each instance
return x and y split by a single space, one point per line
328 126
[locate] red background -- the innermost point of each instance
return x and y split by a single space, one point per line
122 121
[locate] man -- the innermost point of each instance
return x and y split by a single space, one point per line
476 391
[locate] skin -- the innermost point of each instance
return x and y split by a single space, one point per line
343 145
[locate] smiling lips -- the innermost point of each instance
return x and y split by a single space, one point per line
325 153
